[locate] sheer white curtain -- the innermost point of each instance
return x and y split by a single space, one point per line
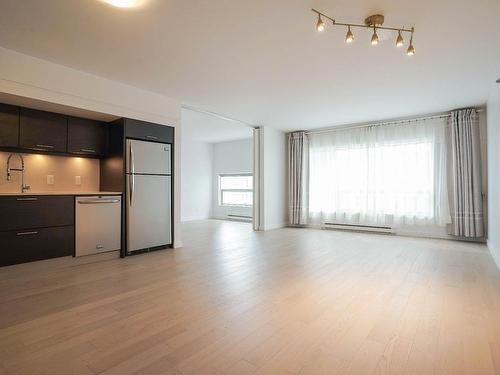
391 174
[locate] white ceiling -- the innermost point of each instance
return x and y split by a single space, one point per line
204 127
261 61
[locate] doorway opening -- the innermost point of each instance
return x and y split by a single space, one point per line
217 168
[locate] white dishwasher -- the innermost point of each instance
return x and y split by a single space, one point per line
98 224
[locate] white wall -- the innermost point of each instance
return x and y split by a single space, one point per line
231 157
196 181
273 165
34 78
493 140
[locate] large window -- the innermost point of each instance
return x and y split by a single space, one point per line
236 190
390 175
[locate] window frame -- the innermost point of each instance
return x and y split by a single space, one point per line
220 190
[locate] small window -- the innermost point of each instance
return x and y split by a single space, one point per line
236 190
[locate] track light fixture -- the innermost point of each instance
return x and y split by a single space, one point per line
349 38
399 41
320 26
374 22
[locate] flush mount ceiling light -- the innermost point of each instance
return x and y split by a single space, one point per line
374 22
125 3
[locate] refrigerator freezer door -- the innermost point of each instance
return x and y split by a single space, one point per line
148 211
148 157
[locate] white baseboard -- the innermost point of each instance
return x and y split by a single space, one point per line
494 253
194 218
274 226
177 244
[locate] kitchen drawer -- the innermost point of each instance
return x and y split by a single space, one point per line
148 131
25 212
36 244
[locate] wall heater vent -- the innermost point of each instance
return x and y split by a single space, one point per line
239 217
359 227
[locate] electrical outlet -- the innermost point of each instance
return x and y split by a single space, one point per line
78 180
50 179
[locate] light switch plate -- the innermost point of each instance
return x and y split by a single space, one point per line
78 180
50 179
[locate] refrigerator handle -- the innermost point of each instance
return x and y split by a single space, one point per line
131 160
132 183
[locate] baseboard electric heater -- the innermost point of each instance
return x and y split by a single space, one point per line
359 227
239 217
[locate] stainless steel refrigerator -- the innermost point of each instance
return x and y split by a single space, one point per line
149 191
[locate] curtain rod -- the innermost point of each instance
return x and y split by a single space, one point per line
402 121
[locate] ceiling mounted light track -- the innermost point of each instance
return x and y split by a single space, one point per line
374 22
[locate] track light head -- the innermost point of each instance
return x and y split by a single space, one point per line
399 41
349 38
320 26
375 39
411 50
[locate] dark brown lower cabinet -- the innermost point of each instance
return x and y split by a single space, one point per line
25 212
23 246
35 228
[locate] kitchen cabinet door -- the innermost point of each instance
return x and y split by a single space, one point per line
9 125
87 137
45 131
148 131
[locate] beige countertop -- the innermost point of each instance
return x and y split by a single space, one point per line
75 193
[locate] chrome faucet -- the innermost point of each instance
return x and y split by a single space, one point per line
24 187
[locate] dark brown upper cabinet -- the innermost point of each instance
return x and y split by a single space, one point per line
39 130
9 125
148 131
87 137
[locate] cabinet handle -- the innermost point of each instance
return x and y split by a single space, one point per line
45 146
87 150
151 137
27 199
26 233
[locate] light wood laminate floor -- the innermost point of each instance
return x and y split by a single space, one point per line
232 301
